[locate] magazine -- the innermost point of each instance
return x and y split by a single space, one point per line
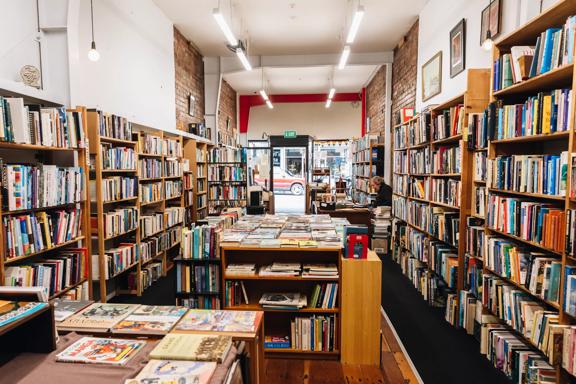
150 319
221 321
98 317
101 351
16 310
198 347
63 309
173 371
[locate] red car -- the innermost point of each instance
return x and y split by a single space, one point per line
284 181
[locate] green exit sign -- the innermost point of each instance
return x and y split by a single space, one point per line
289 134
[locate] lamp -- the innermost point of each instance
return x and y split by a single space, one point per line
355 25
93 54
232 40
488 43
344 57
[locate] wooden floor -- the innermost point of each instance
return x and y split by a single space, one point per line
395 368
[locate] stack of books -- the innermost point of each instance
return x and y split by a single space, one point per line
320 271
241 269
281 269
286 301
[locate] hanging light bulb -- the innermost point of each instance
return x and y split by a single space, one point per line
488 43
93 54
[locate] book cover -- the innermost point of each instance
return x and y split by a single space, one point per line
221 321
98 316
173 371
150 319
197 347
101 351
63 309
16 310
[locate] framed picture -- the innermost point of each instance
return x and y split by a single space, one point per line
458 48
191 105
432 77
490 20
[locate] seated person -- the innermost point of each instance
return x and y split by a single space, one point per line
383 190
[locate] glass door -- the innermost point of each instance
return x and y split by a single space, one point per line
289 177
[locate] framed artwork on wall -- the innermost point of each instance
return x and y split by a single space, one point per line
191 105
432 77
490 20
458 48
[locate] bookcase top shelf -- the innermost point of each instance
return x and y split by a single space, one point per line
560 77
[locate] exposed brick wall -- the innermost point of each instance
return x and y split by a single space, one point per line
227 108
189 68
376 101
404 72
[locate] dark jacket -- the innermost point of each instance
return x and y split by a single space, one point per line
384 195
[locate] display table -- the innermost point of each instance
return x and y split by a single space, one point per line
354 215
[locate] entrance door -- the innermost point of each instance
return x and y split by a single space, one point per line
289 175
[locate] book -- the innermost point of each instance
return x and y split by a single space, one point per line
11 311
98 317
173 371
150 319
197 347
219 321
277 342
283 300
63 309
96 350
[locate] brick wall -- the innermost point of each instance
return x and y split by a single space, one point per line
227 108
376 101
404 72
189 68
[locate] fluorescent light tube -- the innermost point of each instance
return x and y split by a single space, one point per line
243 59
328 103
344 57
355 25
264 95
269 104
232 40
331 93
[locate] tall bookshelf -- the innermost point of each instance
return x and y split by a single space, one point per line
200 166
367 161
227 179
552 143
106 132
64 155
431 197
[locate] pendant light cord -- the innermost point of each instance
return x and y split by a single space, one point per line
92 18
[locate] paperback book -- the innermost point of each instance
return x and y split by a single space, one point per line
150 319
96 350
196 347
219 321
99 317
173 371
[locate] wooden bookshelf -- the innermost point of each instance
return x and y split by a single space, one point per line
277 322
109 287
362 165
473 100
63 156
197 154
216 205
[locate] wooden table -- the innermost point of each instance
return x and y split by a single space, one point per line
254 342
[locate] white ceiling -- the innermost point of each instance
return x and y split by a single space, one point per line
293 27
302 79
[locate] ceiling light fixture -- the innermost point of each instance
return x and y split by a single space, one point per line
232 40
358 15
243 59
264 95
344 57
93 54
328 103
269 104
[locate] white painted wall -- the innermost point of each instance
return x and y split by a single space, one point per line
439 17
342 120
135 74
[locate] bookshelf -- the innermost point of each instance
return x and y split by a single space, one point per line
432 188
58 153
277 322
115 253
227 179
197 154
368 161
504 146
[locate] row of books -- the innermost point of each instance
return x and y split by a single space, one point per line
199 242
227 192
536 271
473 272
56 273
444 225
418 243
419 187
235 293
117 260
152 246
173 168
173 216
545 113
151 144
419 214
227 155
449 122
475 237
401 136
446 159
542 174
400 184
117 158
151 192
188 179
478 130
226 173
536 222
419 161
151 224
400 162
116 188
201 279
479 202
324 296
188 198
117 222
446 191
31 233
315 333
399 207
200 172
201 302
480 166
367 155
172 148
201 201
149 168
33 124
149 274
364 170
173 188
444 261
113 126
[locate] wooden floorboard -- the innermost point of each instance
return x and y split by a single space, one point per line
395 368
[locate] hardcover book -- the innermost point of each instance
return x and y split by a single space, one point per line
63 309
150 319
98 317
220 321
101 351
198 347
173 371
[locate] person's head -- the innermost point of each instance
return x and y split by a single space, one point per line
376 182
